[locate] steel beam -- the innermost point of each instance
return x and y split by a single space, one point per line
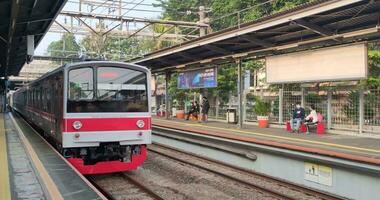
130 19
313 27
217 49
255 40
12 26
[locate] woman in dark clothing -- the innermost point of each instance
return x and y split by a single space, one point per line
194 110
205 108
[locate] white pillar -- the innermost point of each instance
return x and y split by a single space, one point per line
329 110
281 106
167 107
361 110
303 97
240 94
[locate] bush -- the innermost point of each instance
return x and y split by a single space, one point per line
261 108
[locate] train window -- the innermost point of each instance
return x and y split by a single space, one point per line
121 90
118 90
81 84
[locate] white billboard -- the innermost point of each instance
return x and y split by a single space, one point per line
328 64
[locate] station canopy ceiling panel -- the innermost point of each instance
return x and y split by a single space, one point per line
319 23
19 18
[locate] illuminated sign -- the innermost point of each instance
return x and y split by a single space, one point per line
202 78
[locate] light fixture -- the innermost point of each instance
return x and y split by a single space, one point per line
140 123
77 125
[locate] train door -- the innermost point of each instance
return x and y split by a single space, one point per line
58 108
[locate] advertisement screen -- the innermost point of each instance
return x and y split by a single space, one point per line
202 78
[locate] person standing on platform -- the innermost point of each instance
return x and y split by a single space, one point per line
205 108
298 117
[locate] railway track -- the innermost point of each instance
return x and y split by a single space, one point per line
278 188
122 186
151 181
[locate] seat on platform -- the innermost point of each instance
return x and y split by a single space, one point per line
306 127
318 126
194 117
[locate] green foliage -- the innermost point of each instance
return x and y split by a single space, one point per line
65 47
261 108
351 109
258 9
177 10
276 106
227 81
178 95
373 81
253 64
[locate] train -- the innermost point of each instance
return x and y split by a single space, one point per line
97 114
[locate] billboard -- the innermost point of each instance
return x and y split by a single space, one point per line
327 64
201 78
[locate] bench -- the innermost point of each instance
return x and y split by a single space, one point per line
319 126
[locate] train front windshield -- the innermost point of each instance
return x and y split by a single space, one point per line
107 89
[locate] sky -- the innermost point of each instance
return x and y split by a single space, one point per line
71 6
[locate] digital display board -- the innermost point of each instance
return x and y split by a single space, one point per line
201 78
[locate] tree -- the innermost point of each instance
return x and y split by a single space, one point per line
105 46
65 47
373 81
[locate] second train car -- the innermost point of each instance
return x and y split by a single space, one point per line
96 113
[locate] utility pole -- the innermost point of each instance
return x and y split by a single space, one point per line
202 19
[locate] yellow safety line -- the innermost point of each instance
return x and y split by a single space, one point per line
5 189
46 179
281 137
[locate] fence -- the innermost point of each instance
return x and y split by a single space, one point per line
350 110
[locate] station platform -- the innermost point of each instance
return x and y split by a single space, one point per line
31 169
357 149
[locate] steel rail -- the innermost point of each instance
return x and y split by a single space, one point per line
140 185
99 188
127 179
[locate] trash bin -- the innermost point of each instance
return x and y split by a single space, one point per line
231 116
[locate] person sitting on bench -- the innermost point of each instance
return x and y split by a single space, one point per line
194 110
298 117
312 118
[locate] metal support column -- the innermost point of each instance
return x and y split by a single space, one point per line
329 110
5 94
217 107
240 94
361 110
167 107
281 106
303 97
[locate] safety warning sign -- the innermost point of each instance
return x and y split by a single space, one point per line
318 173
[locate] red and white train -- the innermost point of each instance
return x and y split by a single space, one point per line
96 113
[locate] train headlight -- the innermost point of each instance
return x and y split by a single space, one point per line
140 123
77 125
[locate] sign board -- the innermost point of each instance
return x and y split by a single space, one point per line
327 64
318 173
201 78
